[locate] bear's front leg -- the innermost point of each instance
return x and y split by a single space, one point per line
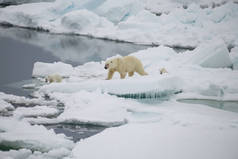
109 75
122 75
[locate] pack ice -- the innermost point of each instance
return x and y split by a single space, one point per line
132 20
138 128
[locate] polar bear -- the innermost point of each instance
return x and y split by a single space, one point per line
123 65
53 78
163 70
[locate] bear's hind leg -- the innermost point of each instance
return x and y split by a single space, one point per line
142 73
131 74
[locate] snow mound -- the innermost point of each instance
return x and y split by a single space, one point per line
45 69
212 54
120 10
19 134
84 21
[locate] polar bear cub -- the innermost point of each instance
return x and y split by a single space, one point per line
124 65
53 78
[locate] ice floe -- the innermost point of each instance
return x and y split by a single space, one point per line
5 106
52 68
131 21
212 54
177 131
28 154
19 134
137 129
234 58
35 111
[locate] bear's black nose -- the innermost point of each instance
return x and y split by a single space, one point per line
106 66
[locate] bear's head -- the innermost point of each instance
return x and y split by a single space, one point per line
48 79
111 64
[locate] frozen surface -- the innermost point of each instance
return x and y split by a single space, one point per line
181 23
182 68
212 54
5 107
234 57
28 154
35 111
23 101
60 68
19 134
91 108
166 139
169 125
163 128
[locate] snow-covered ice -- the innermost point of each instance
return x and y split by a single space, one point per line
35 111
132 21
19 134
54 68
166 128
212 54
5 106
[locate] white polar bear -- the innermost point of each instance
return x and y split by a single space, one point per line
124 65
53 78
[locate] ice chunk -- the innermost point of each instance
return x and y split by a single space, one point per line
92 108
119 10
84 21
213 53
157 84
23 101
35 111
234 58
5 107
44 69
19 134
27 154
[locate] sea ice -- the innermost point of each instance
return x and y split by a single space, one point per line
189 132
35 111
212 53
28 154
19 134
84 21
234 58
133 21
120 10
44 69
5 106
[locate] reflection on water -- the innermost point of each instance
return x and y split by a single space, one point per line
224 105
69 48
21 48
